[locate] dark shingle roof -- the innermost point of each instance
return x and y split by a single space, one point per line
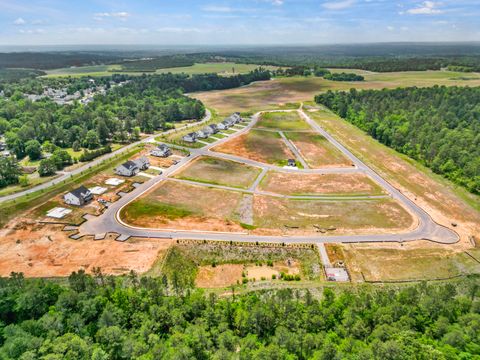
80 191
129 165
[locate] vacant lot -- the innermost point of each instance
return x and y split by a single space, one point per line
183 206
220 172
342 217
218 265
282 121
319 184
445 202
272 94
221 68
397 263
258 145
317 151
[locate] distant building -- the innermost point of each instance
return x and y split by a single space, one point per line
161 151
201 134
213 127
192 137
78 197
291 162
128 168
207 130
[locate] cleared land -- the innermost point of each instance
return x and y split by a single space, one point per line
317 151
263 146
282 121
280 91
409 262
445 202
319 184
342 217
220 172
183 206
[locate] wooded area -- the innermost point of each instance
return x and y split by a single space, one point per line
131 317
438 126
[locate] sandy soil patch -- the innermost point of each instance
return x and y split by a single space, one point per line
46 251
314 184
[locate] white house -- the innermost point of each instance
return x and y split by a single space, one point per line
201 134
142 163
78 197
128 168
161 151
224 125
207 130
191 137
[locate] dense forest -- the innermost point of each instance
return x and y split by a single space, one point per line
152 64
343 77
438 126
103 317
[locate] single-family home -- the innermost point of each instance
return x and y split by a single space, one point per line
161 151
291 162
142 163
128 168
201 134
78 197
224 125
207 130
191 137
213 127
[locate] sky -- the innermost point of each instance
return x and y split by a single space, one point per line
240 22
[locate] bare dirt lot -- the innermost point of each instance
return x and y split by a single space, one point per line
173 205
317 184
342 217
263 146
46 251
317 151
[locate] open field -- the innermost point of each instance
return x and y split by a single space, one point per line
319 184
282 121
279 91
317 151
342 217
220 172
258 145
445 202
409 262
221 265
183 206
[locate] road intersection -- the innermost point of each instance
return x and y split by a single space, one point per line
110 221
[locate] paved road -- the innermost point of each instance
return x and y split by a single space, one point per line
110 221
294 150
67 174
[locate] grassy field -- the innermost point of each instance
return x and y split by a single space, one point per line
225 69
396 264
359 216
317 151
182 206
258 145
445 201
221 172
282 121
266 95
320 184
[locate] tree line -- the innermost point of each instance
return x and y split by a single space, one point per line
130 317
438 126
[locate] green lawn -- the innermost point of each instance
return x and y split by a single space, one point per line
220 172
282 121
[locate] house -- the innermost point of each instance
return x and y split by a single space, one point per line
213 127
128 168
142 163
207 130
201 134
78 197
191 137
161 151
224 125
291 162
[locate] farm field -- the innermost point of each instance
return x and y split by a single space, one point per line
391 262
285 121
263 146
220 265
183 206
342 217
319 184
317 151
445 202
266 95
220 172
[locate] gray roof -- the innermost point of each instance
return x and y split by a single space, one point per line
130 165
80 192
